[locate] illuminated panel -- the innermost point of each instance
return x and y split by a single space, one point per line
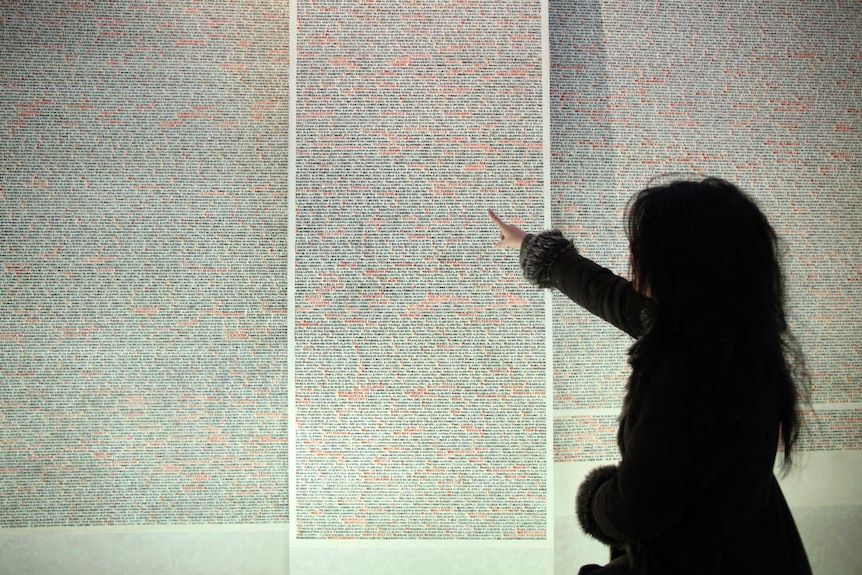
142 321
420 378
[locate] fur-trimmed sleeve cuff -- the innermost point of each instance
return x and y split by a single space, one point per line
538 254
584 502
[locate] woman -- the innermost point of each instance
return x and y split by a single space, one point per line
712 387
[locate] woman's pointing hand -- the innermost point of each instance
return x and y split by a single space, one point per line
511 236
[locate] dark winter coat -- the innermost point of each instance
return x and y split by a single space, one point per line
681 500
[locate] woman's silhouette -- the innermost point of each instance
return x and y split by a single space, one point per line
713 386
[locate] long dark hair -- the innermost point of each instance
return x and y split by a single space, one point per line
708 257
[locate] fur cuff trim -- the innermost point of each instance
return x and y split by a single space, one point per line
584 502
538 254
